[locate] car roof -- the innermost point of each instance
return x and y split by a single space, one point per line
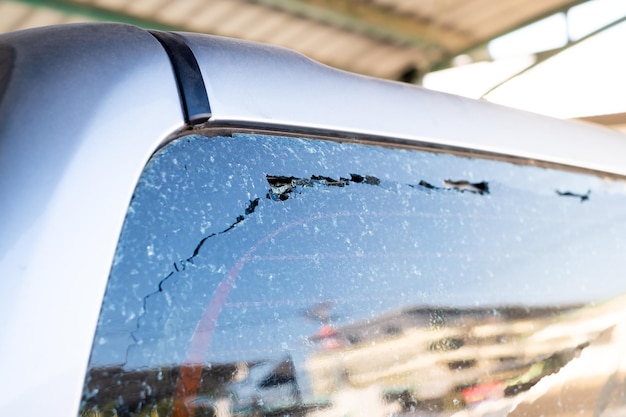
267 85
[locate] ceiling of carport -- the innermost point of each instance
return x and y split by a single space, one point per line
397 39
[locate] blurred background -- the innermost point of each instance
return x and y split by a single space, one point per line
563 58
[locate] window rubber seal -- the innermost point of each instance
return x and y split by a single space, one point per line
191 89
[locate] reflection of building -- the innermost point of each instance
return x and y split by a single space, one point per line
443 358
420 360
114 390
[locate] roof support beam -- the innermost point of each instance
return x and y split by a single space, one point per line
376 21
97 13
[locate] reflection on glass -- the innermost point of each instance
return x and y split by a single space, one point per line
267 276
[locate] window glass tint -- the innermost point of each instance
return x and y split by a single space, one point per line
260 275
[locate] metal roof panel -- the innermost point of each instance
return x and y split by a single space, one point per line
260 84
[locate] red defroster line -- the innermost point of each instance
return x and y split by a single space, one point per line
191 370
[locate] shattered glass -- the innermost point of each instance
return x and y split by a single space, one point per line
260 275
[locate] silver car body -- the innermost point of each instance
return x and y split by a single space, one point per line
82 109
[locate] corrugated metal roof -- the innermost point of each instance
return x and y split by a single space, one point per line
384 38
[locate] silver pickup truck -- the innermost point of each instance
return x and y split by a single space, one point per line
200 226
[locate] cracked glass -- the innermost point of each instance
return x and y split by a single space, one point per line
272 276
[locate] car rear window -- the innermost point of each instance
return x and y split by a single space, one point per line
260 275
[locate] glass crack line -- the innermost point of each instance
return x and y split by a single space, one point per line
182 265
